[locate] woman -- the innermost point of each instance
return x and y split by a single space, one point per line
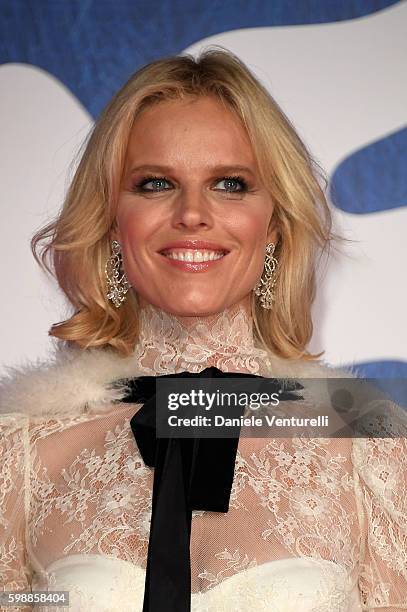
188 241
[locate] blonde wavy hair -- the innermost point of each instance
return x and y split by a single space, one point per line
75 246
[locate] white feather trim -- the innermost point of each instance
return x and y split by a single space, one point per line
74 379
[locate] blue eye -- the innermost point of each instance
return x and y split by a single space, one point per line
158 181
232 184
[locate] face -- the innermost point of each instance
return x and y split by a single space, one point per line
192 216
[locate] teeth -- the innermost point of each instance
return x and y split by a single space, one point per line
194 256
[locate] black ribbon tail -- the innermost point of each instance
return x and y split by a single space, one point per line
189 473
213 474
168 574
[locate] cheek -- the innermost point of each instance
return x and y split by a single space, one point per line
251 229
135 227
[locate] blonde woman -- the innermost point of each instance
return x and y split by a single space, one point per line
188 243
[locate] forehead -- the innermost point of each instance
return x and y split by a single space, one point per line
199 129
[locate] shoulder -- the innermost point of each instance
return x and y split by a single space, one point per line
64 383
301 368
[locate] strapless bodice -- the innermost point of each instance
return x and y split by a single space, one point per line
98 583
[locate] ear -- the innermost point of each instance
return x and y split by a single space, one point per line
273 234
114 233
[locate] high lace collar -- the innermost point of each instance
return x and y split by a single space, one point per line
168 344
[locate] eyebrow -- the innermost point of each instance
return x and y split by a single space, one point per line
219 169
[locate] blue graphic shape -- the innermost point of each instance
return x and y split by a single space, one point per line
93 46
386 368
373 178
390 376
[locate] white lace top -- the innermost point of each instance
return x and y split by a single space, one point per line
317 524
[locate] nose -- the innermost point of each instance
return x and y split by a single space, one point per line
192 210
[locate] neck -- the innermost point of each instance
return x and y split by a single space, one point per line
170 343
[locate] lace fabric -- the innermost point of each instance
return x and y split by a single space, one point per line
330 513
225 341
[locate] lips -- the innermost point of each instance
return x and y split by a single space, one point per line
192 266
198 245
193 255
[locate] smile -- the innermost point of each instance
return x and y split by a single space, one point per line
193 255
193 260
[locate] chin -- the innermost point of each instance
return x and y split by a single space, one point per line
193 307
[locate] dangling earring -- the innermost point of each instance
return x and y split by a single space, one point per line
117 283
265 286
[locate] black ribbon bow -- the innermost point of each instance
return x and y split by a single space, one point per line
190 474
